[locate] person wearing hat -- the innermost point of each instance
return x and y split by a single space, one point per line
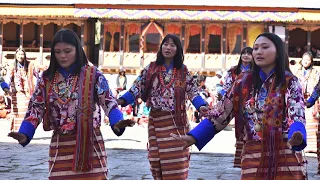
121 81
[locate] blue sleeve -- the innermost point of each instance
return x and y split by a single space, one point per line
128 97
27 129
4 85
198 102
298 127
223 92
115 116
203 133
313 98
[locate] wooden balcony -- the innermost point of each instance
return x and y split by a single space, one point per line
133 63
33 56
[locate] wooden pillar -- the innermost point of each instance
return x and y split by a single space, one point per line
41 44
101 54
224 46
286 39
273 29
203 48
244 36
309 40
183 32
266 28
1 41
224 39
203 35
21 35
82 34
121 45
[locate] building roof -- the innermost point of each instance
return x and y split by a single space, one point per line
309 4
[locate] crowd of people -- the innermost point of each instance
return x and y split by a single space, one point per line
275 111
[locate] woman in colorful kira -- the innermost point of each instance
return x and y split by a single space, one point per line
68 97
268 106
313 102
309 77
165 85
245 64
19 83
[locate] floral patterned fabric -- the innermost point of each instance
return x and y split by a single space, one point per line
17 79
63 102
308 79
161 97
231 77
223 112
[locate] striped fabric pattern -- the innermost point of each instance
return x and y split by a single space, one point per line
291 165
312 124
61 157
167 158
19 108
318 152
237 156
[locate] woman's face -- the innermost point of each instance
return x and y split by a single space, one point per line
246 58
65 54
169 49
306 61
264 52
20 56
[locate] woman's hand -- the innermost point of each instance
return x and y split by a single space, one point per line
121 101
21 138
308 105
187 139
122 124
295 140
7 92
203 110
218 96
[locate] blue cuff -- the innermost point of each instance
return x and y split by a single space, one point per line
311 100
4 85
198 102
115 116
27 129
223 92
298 127
128 97
203 133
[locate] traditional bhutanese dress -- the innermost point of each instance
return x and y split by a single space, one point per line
308 79
314 101
228 82
266 122
70 106
21 84
166 155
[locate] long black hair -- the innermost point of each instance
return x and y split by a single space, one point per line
69 37
25 62
282 62
244 51
178 58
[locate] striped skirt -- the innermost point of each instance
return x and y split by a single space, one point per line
291 166
61 158
237 155
168 159
318 152
19 108
312 127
